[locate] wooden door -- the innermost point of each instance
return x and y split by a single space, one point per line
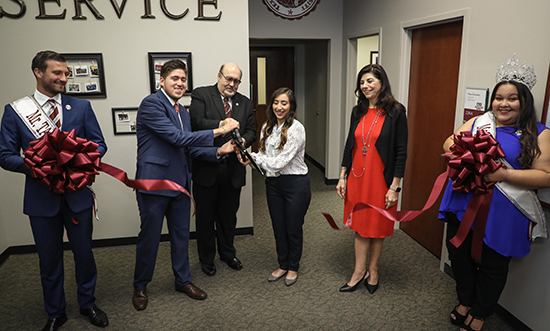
433 85
279 72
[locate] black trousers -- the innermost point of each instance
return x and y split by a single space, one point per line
477 285
288 198
217 206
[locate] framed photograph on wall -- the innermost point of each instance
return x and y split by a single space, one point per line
374 57
124 120
86 76
157 60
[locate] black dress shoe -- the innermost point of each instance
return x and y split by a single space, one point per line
54 323
233 263
208 269
97 316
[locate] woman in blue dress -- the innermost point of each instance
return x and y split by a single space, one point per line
508 232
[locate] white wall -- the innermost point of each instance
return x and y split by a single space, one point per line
124 43
365 45
323 23
492 33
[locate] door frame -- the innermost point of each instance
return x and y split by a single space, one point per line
404 75
351 74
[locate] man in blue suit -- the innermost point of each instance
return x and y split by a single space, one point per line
50 212
165 148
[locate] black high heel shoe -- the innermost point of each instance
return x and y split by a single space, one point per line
349 288
370 288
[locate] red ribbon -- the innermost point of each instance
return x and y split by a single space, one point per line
472 157
67 163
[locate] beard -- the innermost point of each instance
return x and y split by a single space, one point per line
229 93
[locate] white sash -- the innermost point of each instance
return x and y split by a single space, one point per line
526 201
34 117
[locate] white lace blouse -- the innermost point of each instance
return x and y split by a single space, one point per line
290 160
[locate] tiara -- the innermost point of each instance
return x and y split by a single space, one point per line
512 70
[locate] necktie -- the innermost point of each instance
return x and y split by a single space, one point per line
227 108
177 108
54 113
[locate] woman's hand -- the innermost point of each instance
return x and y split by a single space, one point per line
497 176
341 188
391 198
241 159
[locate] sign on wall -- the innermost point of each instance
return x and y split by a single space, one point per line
291 9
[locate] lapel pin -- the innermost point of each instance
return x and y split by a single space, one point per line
68 107
237 104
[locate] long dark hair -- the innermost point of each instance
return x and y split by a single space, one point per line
272 119
385 100
526 121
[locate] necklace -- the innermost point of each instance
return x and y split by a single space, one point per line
367 140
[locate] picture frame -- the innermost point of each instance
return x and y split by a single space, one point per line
87 76
124 120
374 57
156 60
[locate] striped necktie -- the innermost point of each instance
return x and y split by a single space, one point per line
54 113
227 107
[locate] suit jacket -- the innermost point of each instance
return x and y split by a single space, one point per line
164 149
206 113
391 144
15 136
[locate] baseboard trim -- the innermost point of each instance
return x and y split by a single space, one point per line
112 242
508 317
328 182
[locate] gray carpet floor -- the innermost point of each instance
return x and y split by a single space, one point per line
413 295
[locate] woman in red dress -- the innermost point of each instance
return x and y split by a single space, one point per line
372 167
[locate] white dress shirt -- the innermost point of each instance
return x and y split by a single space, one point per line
42 100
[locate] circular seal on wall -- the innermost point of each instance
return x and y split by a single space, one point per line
291 9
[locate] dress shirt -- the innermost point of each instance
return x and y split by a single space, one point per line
173 105
290 160
42 100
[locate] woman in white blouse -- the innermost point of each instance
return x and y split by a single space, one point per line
281 155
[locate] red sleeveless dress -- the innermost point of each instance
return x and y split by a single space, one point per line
368 185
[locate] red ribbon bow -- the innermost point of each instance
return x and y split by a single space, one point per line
471 157
63 161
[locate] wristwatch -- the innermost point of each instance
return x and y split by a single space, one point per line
395 188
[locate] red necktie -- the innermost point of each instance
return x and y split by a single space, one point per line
54 113
177 108
227 108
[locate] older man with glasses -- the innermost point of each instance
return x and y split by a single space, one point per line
217 186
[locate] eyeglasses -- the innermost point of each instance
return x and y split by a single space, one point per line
231 80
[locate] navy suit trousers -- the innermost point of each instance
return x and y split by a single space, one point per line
48 236
152 209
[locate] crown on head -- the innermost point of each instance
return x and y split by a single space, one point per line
512 70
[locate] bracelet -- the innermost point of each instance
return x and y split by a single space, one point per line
223 127
342 177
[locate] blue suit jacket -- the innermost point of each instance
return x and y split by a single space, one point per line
164 149
15 137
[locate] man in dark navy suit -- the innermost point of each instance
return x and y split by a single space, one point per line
50 212
165 148
217 186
